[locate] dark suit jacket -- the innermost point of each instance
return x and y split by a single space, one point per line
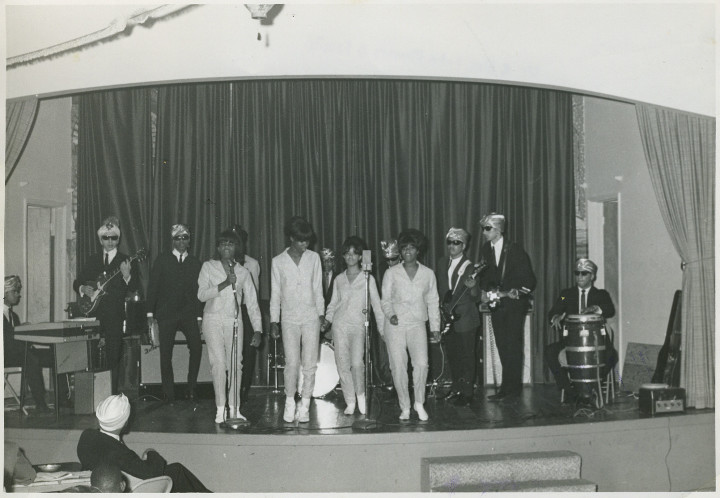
112 306
517 272
95 447
12 349
569 300
172 291
466 310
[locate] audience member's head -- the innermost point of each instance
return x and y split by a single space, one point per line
107 478
13 290
113 413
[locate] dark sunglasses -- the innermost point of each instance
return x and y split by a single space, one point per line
181 237
583 273
453 242
110 237
392 259
487 229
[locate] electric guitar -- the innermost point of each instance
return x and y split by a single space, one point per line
88 305
447 310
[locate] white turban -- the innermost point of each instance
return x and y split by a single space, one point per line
458 234
113 413
111 226
179 229
327 254
584 264
494 220
390 249
12 282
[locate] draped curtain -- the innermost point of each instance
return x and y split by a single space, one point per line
680 152
114 169
19 120
367 157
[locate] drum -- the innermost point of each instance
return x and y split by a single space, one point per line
326 376
585 340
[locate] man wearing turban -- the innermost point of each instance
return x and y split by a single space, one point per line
460 297
14 351
105 445
111 310
510 277
172 303
581 299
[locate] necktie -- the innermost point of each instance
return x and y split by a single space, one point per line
582 301
180 258
106 259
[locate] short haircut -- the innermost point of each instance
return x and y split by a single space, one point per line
411 237
299 229
353 242
107 478
240 232
229 236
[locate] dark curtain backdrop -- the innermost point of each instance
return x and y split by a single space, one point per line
365 157
114 169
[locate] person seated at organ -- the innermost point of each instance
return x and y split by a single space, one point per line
105 446
581 299
14 351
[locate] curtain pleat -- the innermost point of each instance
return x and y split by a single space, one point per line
680 152
19 120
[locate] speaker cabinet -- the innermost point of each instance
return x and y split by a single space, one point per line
90 389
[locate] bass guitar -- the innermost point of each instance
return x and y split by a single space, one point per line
447 310
88 305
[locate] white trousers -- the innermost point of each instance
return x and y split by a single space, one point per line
349 351
218 335
301 344
401 340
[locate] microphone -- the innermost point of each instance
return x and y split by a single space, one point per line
232 269
367 260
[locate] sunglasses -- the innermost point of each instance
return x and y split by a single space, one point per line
392 259
110 237
181 237
453 242
487 229
583 273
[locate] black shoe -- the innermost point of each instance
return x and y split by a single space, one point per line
463 400
42 408
168 401
191 395
497 396
450 395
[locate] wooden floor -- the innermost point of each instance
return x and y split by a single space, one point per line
538 405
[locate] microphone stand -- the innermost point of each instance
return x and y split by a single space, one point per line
367 423
234 421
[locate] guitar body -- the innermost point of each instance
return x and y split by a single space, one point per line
88 305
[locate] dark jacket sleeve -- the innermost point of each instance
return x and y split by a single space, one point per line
601 297
562 304
95 447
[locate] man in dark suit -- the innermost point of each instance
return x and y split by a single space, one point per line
111 309
460 297
97 447
582 299
327 258
172 303
506 284
14 351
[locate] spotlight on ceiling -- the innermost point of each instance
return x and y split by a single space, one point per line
259 10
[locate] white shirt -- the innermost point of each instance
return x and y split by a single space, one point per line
177 254
114 436
498 247
6 312
296 289
453 264
587 293
110 255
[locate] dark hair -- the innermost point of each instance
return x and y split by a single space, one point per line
229 236
107 478
240 232
412 237
299 229
353 242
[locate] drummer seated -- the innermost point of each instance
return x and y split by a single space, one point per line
584 299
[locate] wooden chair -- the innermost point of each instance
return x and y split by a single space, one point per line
14 371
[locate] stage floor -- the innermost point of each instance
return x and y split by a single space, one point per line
539 405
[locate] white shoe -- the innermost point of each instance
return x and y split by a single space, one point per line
220 415
350 409
303 414
361 403
422 414
405 415
289 415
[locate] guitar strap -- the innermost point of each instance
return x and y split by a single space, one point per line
460 272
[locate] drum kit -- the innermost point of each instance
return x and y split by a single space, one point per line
326 375
586 347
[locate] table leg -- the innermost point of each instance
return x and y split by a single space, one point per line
23 379
54 375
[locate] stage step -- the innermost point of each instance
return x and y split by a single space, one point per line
562 485
556 469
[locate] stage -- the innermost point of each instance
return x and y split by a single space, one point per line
621 449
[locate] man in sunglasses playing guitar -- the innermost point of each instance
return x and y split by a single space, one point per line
506 286
460 297
110 310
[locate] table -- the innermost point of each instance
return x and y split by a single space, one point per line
53 485
70 347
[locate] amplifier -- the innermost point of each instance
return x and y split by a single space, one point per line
656 399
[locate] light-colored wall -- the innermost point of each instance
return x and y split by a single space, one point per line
660 53
649 265
42 176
